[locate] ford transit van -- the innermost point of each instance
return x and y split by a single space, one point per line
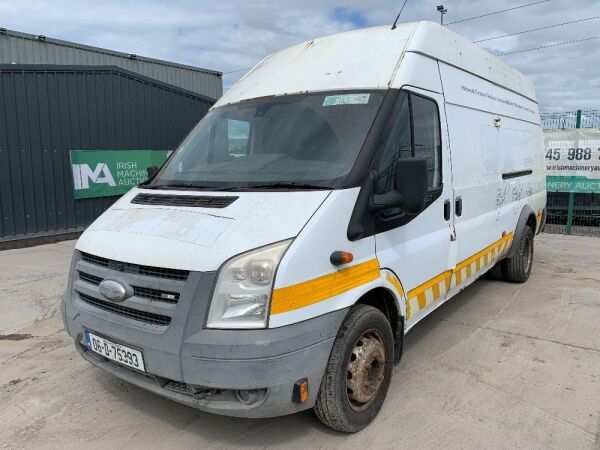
336 195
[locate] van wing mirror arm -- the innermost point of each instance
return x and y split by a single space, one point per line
383 201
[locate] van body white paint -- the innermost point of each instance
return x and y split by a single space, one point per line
266 260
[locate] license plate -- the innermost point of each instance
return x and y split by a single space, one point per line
115 352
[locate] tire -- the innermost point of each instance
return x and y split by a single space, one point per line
518 268
496 272
362 355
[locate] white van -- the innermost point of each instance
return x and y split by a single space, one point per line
336 195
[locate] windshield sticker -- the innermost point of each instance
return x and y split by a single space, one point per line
346 99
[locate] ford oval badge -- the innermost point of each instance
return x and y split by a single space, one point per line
112 290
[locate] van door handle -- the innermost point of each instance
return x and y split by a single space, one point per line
447 210
458 207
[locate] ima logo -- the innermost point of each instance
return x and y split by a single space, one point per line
82 174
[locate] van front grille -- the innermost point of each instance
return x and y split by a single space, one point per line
88 278
194 201
159 272
135 314
179 387
155 294
150 294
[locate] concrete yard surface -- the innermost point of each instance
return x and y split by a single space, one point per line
501 365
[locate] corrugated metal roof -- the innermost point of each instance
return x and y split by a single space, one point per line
24 48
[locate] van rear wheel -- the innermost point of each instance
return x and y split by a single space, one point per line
496 272
518 268
359 371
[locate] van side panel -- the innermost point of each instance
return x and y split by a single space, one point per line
497 160
307 284
441 44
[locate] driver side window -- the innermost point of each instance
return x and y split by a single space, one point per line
413 132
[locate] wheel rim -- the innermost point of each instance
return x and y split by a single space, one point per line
528 254
366 370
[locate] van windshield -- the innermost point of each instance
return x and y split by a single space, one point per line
295 141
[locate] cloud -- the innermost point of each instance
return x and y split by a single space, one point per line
235 34
353 16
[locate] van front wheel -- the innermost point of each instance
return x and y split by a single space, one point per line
358 373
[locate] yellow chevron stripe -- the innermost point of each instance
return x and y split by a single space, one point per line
318 289
432 286
396 282
490 254
489 248
423 287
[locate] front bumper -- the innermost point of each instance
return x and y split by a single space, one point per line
210 384
243 373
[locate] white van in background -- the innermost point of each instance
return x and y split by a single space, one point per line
337 194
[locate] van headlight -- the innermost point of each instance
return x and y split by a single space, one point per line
243 291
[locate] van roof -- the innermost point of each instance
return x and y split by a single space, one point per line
369 58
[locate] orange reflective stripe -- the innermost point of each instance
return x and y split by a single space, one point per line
392 279
318 289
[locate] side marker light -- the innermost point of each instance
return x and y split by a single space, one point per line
300 393
339 257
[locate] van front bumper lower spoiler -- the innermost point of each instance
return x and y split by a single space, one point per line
241 373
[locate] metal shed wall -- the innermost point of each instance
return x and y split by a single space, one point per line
45 111
23 48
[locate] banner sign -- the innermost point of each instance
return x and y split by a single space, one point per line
572 160
106 173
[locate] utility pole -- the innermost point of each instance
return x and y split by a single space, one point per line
442 11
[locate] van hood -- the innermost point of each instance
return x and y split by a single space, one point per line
197 238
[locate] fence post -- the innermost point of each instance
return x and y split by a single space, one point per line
572 194
570 213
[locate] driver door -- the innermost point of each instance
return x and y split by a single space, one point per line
418 248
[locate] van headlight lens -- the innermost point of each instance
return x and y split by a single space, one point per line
243 290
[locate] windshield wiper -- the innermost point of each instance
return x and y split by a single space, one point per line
174 186
280 185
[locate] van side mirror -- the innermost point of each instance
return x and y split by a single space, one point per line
410 187
152 171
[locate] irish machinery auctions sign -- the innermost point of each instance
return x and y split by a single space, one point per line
104 173
572 160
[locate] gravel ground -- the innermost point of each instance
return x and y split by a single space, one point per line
499 366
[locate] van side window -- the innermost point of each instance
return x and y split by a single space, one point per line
426 137
397 145
415 132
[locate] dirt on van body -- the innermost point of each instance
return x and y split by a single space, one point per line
499 366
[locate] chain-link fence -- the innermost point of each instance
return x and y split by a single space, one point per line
585 214
588 118
572 212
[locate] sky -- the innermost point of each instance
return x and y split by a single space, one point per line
228 35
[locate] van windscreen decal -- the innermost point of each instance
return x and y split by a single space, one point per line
346 99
